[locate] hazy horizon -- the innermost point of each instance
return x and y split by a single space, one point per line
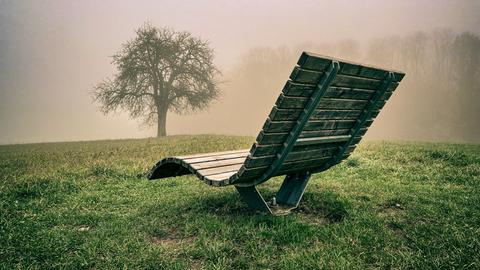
52 53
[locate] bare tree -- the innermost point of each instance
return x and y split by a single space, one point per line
160 70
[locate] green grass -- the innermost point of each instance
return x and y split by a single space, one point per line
88 205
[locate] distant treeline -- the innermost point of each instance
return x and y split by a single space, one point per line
438 99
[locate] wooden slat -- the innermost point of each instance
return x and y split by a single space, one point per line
320 140
283 126
252 162
211 154
348 93
287 167
306 76
305 90
218 170
217 163
303 165
309 147
315 62
350 81
320 114
220 176
379 105
301 75
216 158
272 149
319 62
287 102
286 126
277 138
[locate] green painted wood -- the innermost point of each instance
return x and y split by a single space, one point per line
292 189
253 198
286 102
317 62
267 150
286 126
300 75
323 83
278 114
277 138
321 140
305 90
363 118
302 152
287 167
252 162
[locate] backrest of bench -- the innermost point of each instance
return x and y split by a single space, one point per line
322 113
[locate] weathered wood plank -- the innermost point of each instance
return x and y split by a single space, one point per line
214 154
272 149
301 75
217 163
216 158
315 62
303 148
338 92
252 162
287 167
283 126
348 93
278 138
306 76
319 62
319 114
305 165
222 169
286 126
220 176
305 90
309 164
287 102
362 71
379 105
320 140
351 81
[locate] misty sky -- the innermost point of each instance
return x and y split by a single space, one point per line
52 53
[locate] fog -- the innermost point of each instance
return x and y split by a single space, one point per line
52 53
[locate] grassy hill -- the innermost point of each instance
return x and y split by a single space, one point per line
87 205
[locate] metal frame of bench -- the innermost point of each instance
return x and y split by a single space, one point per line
217 168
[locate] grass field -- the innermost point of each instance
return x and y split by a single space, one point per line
88 205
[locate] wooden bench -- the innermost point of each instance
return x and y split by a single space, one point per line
321 115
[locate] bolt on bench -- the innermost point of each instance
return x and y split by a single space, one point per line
320 116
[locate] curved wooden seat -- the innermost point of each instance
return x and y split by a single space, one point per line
320 116
213 168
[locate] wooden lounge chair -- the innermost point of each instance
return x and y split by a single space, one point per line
321 115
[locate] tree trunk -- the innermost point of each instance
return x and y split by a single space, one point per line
161 122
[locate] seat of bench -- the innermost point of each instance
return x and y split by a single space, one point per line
214 168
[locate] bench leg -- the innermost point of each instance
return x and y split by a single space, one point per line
253 198
292 189
287 198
